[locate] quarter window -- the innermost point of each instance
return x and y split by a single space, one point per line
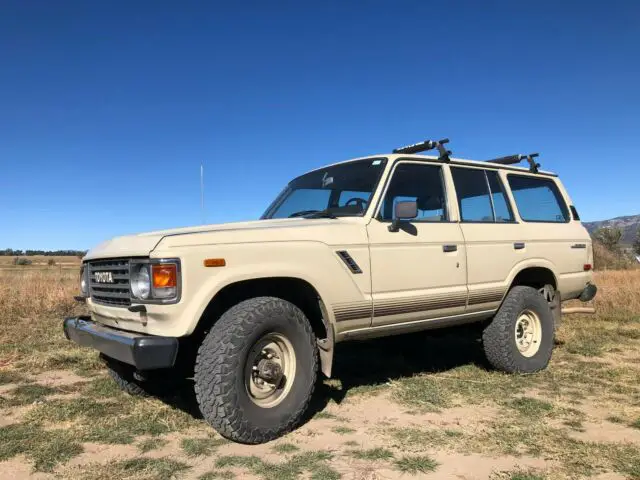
500 203
538 199
416 183
481 197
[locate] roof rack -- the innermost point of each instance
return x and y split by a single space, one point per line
513 159
427 145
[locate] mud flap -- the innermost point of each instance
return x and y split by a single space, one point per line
325 345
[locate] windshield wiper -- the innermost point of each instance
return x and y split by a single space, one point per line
302 213
313 214
321 214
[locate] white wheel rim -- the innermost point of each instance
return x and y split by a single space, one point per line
276 352
528 333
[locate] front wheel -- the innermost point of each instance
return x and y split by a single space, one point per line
256 370
519 339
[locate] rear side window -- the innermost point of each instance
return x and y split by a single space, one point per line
500 203
538 199
481 196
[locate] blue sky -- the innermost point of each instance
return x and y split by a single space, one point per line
108 108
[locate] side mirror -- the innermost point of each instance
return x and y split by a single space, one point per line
404 211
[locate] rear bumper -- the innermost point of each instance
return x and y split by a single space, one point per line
588 293
145 352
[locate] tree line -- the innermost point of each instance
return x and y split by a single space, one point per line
610 238
9 252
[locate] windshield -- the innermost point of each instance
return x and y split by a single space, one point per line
337 191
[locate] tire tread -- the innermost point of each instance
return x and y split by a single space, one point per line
498 335
216 368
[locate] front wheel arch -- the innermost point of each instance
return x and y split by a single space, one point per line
295 290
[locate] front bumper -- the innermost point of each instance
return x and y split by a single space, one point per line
145 352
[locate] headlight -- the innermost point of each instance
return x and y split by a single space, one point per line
84 284
141 282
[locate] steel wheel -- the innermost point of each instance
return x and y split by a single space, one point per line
528 333
270 370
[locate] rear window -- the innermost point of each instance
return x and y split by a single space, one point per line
538 199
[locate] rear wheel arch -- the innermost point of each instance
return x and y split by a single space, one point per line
535 276
545 281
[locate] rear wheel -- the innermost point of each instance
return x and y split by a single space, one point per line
256 370
519 339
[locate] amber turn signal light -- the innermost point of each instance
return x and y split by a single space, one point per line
165 275
215 262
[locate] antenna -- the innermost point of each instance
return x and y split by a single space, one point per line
202 192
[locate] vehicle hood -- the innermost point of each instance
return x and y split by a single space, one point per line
143 244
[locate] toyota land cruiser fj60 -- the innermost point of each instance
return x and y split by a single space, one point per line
376 246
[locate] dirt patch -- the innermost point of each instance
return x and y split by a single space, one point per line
607 432
58 378
479 467
100 453
7 387
19 468
13 415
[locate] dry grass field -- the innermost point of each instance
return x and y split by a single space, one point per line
425 406
41 262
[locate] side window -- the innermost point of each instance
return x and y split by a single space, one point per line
420 183
538 199
473 195
500 202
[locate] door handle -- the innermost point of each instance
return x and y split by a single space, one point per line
518 245
450 248
579 245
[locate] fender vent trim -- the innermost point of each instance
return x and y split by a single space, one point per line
349 261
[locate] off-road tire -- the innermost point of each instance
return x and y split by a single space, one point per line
220 385
499 338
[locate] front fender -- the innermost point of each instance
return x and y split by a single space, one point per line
313 262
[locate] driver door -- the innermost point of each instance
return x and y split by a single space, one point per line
418 272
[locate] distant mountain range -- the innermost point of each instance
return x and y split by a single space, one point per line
629 226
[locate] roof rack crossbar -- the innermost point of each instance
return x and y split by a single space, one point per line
513 159
427 145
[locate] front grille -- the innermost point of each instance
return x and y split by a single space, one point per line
117 293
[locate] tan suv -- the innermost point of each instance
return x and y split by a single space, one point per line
370 247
